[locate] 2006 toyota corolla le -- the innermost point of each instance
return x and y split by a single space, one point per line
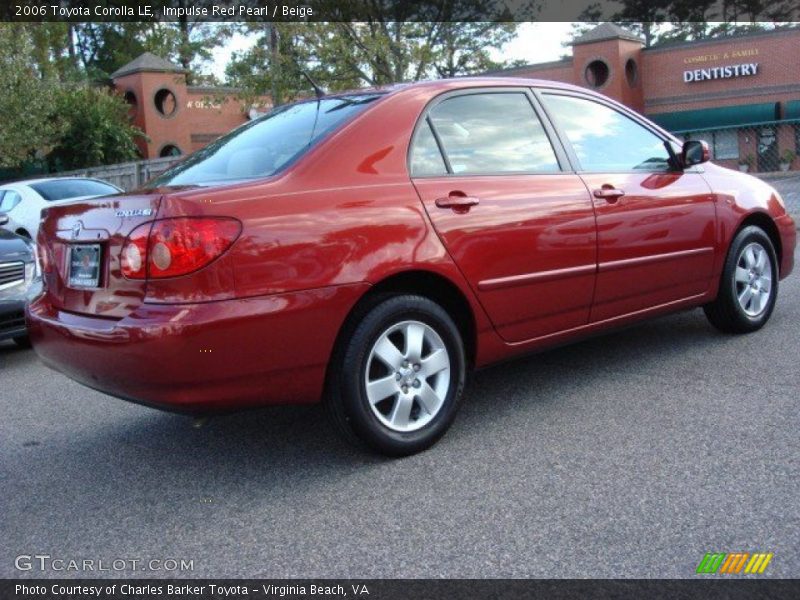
368 249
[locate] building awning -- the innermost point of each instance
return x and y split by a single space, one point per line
792 110
718 118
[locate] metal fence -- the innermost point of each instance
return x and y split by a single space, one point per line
127 176
770 151
768 148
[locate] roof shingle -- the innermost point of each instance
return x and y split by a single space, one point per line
147 62
606 31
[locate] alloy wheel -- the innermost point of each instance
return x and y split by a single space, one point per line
407 376
753 279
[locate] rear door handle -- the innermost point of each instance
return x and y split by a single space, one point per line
457 200
608 193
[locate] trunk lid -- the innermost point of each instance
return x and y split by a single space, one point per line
105 222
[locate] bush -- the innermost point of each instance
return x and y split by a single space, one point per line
96 129
26 128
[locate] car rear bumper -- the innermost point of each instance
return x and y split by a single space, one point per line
207 357
788 232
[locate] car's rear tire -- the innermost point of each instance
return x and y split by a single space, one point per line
397 381
748 287
23 341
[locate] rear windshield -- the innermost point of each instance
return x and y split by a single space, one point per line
62 189
268 144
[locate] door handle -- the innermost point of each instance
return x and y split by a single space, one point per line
608 193
457 201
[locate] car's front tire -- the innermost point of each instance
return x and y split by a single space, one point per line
748 287
398 379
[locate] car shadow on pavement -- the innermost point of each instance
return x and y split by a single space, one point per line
256 443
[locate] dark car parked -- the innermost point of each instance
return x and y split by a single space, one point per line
17 275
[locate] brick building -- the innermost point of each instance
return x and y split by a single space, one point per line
178 118
740 93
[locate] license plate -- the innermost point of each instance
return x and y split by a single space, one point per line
84 266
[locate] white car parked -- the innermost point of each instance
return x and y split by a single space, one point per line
23 201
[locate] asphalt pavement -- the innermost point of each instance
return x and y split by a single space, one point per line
628 455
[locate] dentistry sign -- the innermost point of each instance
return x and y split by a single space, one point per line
726 72
699 69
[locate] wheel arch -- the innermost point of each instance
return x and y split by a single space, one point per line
764 222
429 284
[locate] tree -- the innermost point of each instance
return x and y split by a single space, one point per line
659 21
53 49
643 17
27 128
464 47
346 55
270 67
104 47
97 129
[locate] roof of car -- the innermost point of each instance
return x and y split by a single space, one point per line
454 83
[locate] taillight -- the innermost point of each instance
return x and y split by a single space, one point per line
133 259
174 247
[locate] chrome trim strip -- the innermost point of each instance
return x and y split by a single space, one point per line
528 278
11 284
614 265
517 280
11 268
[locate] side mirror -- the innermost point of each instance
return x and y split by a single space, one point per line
3 219
694 152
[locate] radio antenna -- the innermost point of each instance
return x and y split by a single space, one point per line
317 89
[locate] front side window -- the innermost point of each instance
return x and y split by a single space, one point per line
604 139
265 146
493 133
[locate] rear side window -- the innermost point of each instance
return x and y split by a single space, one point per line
491 133
604 139
64 189
265 146
425 156
8 200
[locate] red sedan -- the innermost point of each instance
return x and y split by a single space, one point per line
368 249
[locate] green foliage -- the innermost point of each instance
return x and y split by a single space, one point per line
26 126
105 47
65 125
97 129
661 21
347 55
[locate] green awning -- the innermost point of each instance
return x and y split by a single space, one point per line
792 110
717 118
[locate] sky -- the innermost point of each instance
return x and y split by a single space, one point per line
535 43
